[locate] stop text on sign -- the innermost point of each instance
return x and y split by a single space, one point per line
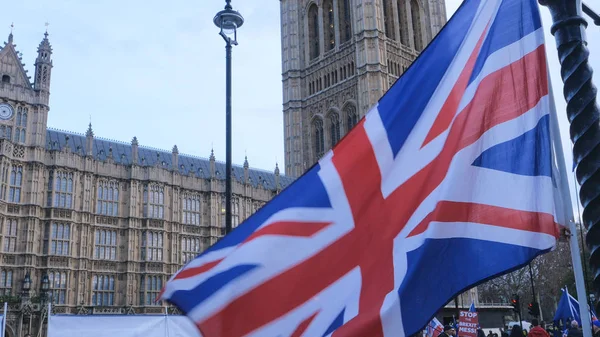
467 324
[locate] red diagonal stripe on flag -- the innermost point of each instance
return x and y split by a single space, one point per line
450 107
193 271
300 229
450 211
289 228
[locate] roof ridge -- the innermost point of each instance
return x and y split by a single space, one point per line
112 140
65 131
163 151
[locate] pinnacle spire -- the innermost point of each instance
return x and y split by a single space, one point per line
10 36
246 165
276 169
175 149
90 132
212 154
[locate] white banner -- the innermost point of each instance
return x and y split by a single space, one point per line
4 314
121 326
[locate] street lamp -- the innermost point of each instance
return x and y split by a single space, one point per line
45 288
27 283
228 21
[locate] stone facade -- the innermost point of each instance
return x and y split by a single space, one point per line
106 222
338 58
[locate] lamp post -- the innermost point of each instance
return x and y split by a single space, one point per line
583 114
45 289
26 286
228 21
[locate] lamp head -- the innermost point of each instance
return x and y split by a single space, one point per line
228 21
45 283
27 282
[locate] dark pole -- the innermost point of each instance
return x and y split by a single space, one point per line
228 140
228 21
457 311
532 286
569 31
587 10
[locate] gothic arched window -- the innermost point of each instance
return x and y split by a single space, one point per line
402 22
334 128
345 20
351 116
328 25
388 19
313 31
318 137
16 179
416 24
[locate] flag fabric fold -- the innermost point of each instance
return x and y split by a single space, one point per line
453 167
568 310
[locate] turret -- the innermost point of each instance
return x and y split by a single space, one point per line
175 158
89 141
212 163
134 151
246 169
277 186
43 65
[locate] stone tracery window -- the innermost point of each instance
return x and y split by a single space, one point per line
16 180
416 25
235 212
58 287
154 202
108 198
191 209
21 124
328 25
388 19
152 246
345 21
61 184
334 128
106 244
319 140
313 31
103 287
6 278
190 248
10 235
403 22
60 239
150 287
351 116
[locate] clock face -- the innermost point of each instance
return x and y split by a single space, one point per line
6 111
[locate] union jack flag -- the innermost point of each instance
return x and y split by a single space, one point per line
434 328
455 166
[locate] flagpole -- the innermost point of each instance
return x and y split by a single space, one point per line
568 214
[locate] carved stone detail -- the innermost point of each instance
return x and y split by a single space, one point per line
19 151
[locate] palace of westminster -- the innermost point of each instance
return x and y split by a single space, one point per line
98 226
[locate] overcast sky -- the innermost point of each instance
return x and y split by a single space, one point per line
156 70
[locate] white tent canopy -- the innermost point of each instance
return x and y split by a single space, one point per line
121 325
